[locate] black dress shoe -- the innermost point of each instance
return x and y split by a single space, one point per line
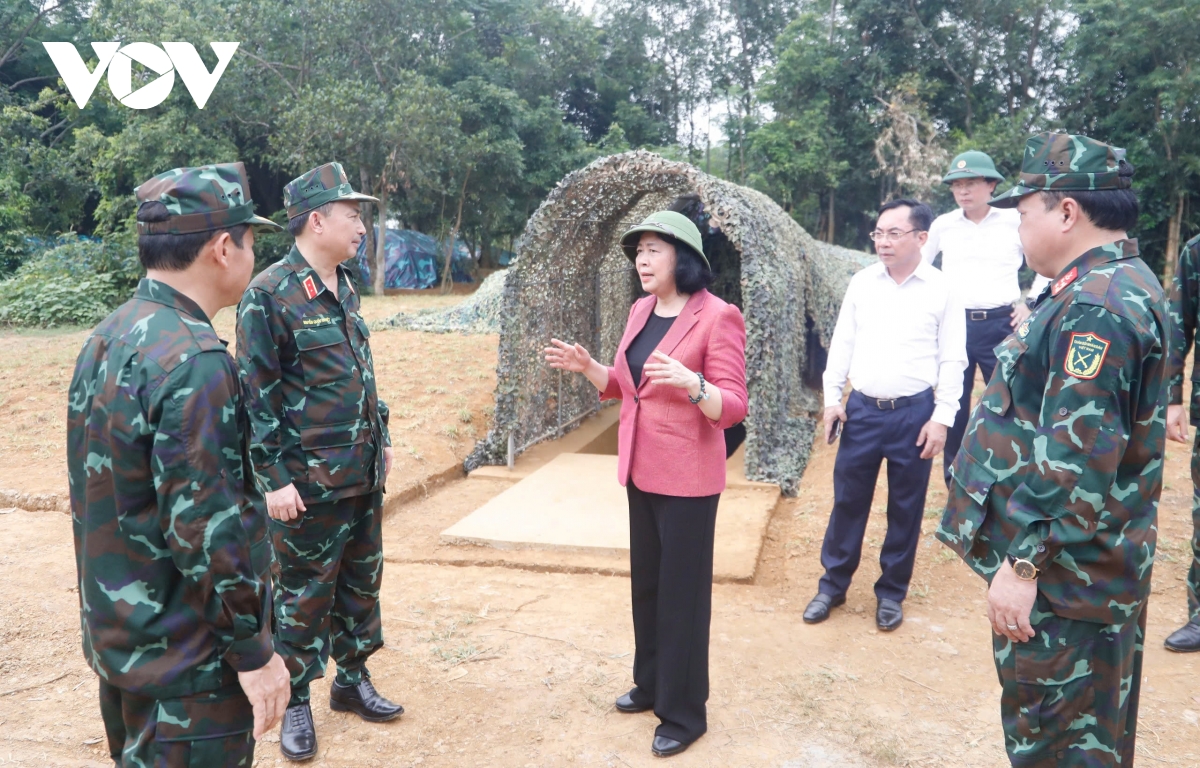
625 703
298 738
818 610
364 701
888 615
1186 639
664 747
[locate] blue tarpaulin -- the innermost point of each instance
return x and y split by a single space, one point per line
415 260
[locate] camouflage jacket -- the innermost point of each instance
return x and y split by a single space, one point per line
1062 461
168 544
309 379
1185 313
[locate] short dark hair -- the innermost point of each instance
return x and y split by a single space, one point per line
1112 209
691 273
175 253
296 225
920 216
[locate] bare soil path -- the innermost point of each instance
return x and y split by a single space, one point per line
505 667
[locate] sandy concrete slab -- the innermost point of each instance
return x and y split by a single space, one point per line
572 508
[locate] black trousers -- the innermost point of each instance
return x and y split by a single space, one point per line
869 436
982 338
671 566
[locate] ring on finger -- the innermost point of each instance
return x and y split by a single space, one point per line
1013 627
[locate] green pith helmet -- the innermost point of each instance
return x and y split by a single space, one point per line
972 164
669 223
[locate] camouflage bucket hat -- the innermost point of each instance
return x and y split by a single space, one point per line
972 164
669 223
323 184
201 200
1065 162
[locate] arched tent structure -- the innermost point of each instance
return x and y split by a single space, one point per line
570 280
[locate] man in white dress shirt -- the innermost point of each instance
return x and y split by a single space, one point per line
900 336
981 256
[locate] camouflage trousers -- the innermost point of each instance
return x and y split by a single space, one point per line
1193 579
328 568
1070 695
198 731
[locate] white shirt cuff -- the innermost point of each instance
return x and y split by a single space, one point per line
944 415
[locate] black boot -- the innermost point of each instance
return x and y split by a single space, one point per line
298 739
1186 639
363 700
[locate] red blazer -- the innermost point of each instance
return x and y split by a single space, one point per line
666 444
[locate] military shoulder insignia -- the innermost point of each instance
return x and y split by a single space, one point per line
1023 330
1061 283
1085 355
310 287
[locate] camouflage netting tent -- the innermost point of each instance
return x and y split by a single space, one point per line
571 281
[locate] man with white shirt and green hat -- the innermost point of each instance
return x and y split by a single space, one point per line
981 256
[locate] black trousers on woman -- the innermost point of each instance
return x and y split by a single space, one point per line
671 566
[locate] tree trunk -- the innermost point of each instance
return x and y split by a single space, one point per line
447 275
1173 227
831 221
377 283
368 216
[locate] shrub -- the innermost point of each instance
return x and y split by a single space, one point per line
77 282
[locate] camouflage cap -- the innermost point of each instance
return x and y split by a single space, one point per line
323 184
200 200
1065 162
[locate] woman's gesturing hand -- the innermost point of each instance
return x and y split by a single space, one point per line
568 357
666 370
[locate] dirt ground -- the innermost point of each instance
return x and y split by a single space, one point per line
519 668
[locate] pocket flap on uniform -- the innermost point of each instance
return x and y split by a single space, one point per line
1055 666
204 716
966 503
333 435
363 328
315 338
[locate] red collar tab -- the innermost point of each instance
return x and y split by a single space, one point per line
1061 283
310 287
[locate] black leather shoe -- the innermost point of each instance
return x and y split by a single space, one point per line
888 615
1186 639
626 704
298 738
818 610
664 747
364 701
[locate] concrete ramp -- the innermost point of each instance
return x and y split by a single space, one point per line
570 507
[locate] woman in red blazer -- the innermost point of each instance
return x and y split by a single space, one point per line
680 373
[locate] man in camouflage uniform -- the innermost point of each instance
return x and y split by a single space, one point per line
1055 491
1185 313
170 549
321 452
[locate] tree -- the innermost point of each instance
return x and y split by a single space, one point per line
390 138
1135 82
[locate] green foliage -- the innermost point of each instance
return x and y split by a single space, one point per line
465 114
77 282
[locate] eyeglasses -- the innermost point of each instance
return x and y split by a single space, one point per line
891 234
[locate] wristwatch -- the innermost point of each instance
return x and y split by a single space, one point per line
1025 570
703 391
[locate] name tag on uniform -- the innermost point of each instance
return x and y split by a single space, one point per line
317 321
